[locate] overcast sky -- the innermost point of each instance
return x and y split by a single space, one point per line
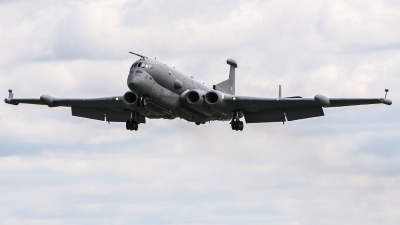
343 168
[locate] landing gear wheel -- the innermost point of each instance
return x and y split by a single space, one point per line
132 125
237 125
233 125
240 125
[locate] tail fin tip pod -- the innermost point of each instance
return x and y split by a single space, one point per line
228 86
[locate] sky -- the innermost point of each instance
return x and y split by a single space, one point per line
343 168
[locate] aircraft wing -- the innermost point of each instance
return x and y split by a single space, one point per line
111 109
106 102
257 110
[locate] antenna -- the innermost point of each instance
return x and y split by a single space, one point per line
386 90
280 92
141 56
10 94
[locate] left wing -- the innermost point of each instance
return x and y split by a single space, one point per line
257 110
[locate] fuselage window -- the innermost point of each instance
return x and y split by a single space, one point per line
134 65
139 64
149 65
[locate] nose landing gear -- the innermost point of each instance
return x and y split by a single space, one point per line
236 124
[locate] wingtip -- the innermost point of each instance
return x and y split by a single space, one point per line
386 101
10 101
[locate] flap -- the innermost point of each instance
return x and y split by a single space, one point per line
104 114
303 113
276 115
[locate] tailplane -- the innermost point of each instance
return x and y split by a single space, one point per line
228 86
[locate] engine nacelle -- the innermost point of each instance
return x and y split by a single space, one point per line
215 101
194 99
133 101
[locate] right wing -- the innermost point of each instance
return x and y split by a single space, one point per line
113 109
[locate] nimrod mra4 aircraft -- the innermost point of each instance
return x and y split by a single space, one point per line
158 91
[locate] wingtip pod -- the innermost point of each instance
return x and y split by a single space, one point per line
385 101
322 100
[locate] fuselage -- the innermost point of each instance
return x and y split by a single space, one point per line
167 88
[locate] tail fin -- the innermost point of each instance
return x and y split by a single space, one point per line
228 86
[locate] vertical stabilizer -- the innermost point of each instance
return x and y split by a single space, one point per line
228 86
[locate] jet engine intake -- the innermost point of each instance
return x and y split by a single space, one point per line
194 96
130 98
213 97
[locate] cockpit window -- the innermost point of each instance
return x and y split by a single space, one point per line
142 65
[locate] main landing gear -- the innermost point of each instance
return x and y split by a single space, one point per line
132 124
236 124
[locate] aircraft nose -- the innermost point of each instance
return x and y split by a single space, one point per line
140 83
133 81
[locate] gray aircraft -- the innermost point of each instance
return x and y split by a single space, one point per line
158 91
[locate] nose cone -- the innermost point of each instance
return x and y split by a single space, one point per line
140 83
133 82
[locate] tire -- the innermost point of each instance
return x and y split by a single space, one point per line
237 125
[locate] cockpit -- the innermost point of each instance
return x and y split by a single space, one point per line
142 65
